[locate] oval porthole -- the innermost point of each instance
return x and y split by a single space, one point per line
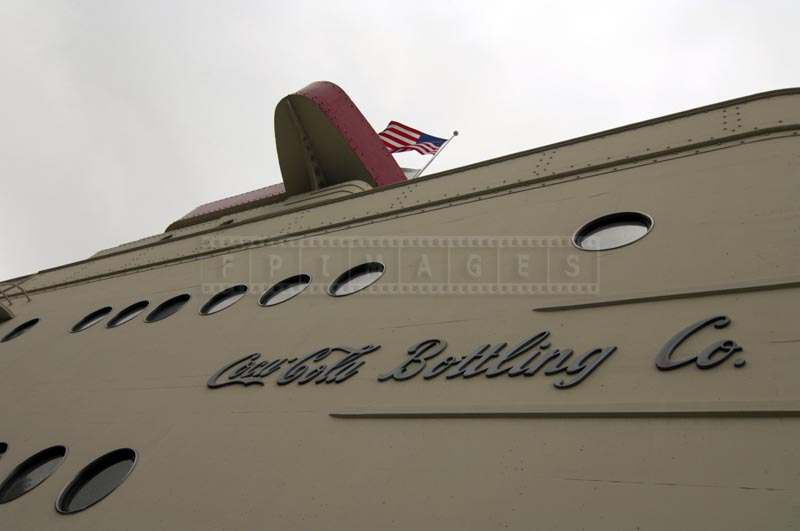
31 472
96 481
167 308
356 279
3 448
284 290
91 319
21 329
224 299
127 314
612 231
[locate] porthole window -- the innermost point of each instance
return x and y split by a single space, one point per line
612 231
356 279
167 308
224 299
3 448
91 319
127 314
21 329
31 472
99 479
285 290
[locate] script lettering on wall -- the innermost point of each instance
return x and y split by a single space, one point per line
670 358
251 369
530 356
430 360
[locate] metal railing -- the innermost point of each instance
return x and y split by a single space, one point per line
7 287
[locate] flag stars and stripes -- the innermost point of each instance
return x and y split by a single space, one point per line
398 137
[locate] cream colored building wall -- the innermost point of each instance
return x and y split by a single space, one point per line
274 458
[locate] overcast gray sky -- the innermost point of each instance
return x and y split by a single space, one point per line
120 117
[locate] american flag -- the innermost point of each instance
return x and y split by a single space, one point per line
398 137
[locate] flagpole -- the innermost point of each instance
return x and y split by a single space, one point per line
455 134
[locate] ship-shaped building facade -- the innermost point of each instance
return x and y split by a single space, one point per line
595 334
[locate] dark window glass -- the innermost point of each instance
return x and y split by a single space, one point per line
91 319
96 481
285 290
127 314
21 329
223 299
356 279
612 231
31 472
168 307
3 448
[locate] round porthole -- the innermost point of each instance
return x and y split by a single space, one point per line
91 319
356 279
3 448
96 481
31 472
167 308
612 231
127 314
285 290
224 299
21 329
